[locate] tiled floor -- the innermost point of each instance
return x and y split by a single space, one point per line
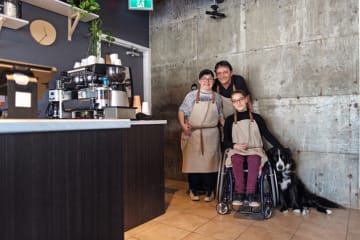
185 219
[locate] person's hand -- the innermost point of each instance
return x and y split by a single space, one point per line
241 146
186 129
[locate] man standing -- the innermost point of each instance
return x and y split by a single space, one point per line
226 83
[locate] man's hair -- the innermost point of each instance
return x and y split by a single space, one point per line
206 72
223 63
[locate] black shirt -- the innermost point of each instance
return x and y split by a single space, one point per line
264 132
239 82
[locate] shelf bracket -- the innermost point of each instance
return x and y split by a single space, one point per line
2 21
73 21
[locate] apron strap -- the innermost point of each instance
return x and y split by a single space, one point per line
201 142
201 137
197 99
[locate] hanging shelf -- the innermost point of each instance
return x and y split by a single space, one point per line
74 14
12 22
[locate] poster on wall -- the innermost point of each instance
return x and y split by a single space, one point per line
141 5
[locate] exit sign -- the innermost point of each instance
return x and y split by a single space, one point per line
141 5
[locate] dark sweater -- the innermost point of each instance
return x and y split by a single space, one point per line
264 132
239 82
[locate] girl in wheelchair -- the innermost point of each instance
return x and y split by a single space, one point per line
243 132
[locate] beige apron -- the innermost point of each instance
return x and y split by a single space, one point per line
227 105
201 151
247 131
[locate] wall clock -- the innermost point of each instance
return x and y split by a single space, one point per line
43 32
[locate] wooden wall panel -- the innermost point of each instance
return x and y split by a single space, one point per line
143 171
61 185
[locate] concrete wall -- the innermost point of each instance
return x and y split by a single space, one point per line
301 61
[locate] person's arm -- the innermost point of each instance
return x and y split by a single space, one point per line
264 131
220 109
222 121
228 142
184 123
184 111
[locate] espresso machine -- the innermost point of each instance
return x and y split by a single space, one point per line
91 92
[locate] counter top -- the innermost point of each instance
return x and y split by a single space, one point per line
148 122
48 125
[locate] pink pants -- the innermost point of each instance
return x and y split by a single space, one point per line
253 162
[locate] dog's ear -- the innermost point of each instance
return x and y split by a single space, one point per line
287 153
270 152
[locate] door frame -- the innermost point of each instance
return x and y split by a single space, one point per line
146 52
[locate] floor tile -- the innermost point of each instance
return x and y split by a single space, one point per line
262 233
321 230
185 221
222 229
188 220
162 232
197 236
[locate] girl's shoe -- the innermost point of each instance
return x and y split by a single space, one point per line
238 199
252 201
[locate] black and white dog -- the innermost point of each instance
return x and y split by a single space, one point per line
292 191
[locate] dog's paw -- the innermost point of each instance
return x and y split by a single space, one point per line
285 211
328 211
305 212
297 211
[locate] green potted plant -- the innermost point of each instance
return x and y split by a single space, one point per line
95 29
88 5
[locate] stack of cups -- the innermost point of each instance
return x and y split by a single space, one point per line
114 58
137 103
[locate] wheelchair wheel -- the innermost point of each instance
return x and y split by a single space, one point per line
267 213
266 192
274 187
222 208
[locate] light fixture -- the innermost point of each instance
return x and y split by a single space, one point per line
133 52
214 13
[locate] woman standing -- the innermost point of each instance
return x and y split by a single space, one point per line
199 115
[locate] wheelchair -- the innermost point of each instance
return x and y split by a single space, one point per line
267 191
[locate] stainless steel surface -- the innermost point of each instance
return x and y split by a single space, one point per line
119 98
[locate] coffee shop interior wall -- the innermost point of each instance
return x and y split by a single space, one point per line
132 26
300 59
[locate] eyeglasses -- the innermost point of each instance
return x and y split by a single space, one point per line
206 79
238 100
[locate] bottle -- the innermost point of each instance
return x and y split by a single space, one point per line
105 81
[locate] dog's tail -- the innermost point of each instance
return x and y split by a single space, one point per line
327 203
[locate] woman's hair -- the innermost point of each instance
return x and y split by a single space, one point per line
240 91
248 105
223 63
206 72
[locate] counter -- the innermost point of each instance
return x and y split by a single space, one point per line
47 125
79 179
